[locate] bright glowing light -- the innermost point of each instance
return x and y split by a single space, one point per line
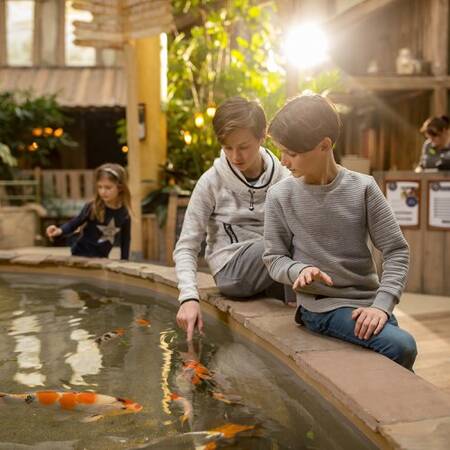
199 120
306 46
211 111
124 149
58 132
37 132
187 137
48 131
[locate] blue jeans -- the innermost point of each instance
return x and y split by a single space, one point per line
392 341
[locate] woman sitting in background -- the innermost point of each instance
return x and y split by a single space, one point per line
436 148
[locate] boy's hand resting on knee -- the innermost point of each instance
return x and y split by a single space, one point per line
53 231
369 321
310 274
189 316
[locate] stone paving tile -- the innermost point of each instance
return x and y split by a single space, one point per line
290 338
433 434
7 255
29 260
375 388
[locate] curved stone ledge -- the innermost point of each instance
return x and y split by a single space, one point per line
396 408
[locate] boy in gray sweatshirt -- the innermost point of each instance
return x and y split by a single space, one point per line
317 227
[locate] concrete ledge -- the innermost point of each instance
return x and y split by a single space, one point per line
400 409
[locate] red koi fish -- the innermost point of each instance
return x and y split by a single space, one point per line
97 405
188 411
109 336
229 430
143 322
196 371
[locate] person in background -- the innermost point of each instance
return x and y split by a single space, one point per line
227 205
436 148
104 220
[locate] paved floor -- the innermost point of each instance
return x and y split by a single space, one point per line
426 317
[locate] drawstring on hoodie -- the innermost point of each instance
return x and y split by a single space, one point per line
252 200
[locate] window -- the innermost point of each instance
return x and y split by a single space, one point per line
76 55
19 32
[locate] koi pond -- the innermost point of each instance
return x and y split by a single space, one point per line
62 340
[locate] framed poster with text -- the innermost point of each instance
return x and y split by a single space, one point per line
404 199
439 204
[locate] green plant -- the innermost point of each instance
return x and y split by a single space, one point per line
32 127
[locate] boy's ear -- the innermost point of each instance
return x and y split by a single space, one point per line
326 144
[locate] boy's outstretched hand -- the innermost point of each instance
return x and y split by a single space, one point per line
369 321
189 316
310 274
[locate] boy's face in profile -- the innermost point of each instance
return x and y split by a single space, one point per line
300 164
241 148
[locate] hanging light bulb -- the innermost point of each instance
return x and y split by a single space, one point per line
48 131
58 132
211 111
187 137
199 120
125 149
36 132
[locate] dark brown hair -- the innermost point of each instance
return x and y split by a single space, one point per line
304 121
434 126
117 174
238 113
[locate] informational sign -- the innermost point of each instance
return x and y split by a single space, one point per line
439 204
404 198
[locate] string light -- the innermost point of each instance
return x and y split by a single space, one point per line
33 147
125 149
211 111
37 132
187 137
199 120
58 132
48 131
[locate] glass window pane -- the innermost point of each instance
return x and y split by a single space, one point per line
19 32
76 55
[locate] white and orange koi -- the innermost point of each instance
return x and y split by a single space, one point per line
109 336
96 405
188 411
143 322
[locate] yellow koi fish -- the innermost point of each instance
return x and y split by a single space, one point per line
98 405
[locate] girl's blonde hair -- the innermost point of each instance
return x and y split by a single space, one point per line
117 174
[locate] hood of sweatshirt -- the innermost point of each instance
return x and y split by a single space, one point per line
234 180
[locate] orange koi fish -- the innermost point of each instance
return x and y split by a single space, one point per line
109 336
188 411
229 430
143 322
196 371
229 399
97 405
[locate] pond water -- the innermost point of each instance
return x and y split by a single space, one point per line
235 395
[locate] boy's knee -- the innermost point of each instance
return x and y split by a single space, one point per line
404 350
235 288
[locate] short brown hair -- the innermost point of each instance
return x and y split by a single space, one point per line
304 121
434 126
238 113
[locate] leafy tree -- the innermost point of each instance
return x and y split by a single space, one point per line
32 127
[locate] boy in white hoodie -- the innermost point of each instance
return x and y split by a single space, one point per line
227 205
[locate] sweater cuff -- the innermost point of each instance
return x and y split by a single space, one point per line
385 301
188 294
295 269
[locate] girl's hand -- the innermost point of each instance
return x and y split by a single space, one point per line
53 231
369 321
310 274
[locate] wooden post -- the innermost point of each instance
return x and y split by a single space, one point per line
436 50
2 33
37 34
134 160
61 42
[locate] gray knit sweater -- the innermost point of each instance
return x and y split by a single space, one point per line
329 226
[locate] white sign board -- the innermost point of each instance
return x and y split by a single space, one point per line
404 198
439 204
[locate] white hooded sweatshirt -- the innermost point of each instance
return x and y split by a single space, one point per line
229 210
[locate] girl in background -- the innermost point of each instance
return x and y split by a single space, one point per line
105 220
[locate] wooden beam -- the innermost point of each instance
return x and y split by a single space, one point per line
3 39
356 14
399 83
61 41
